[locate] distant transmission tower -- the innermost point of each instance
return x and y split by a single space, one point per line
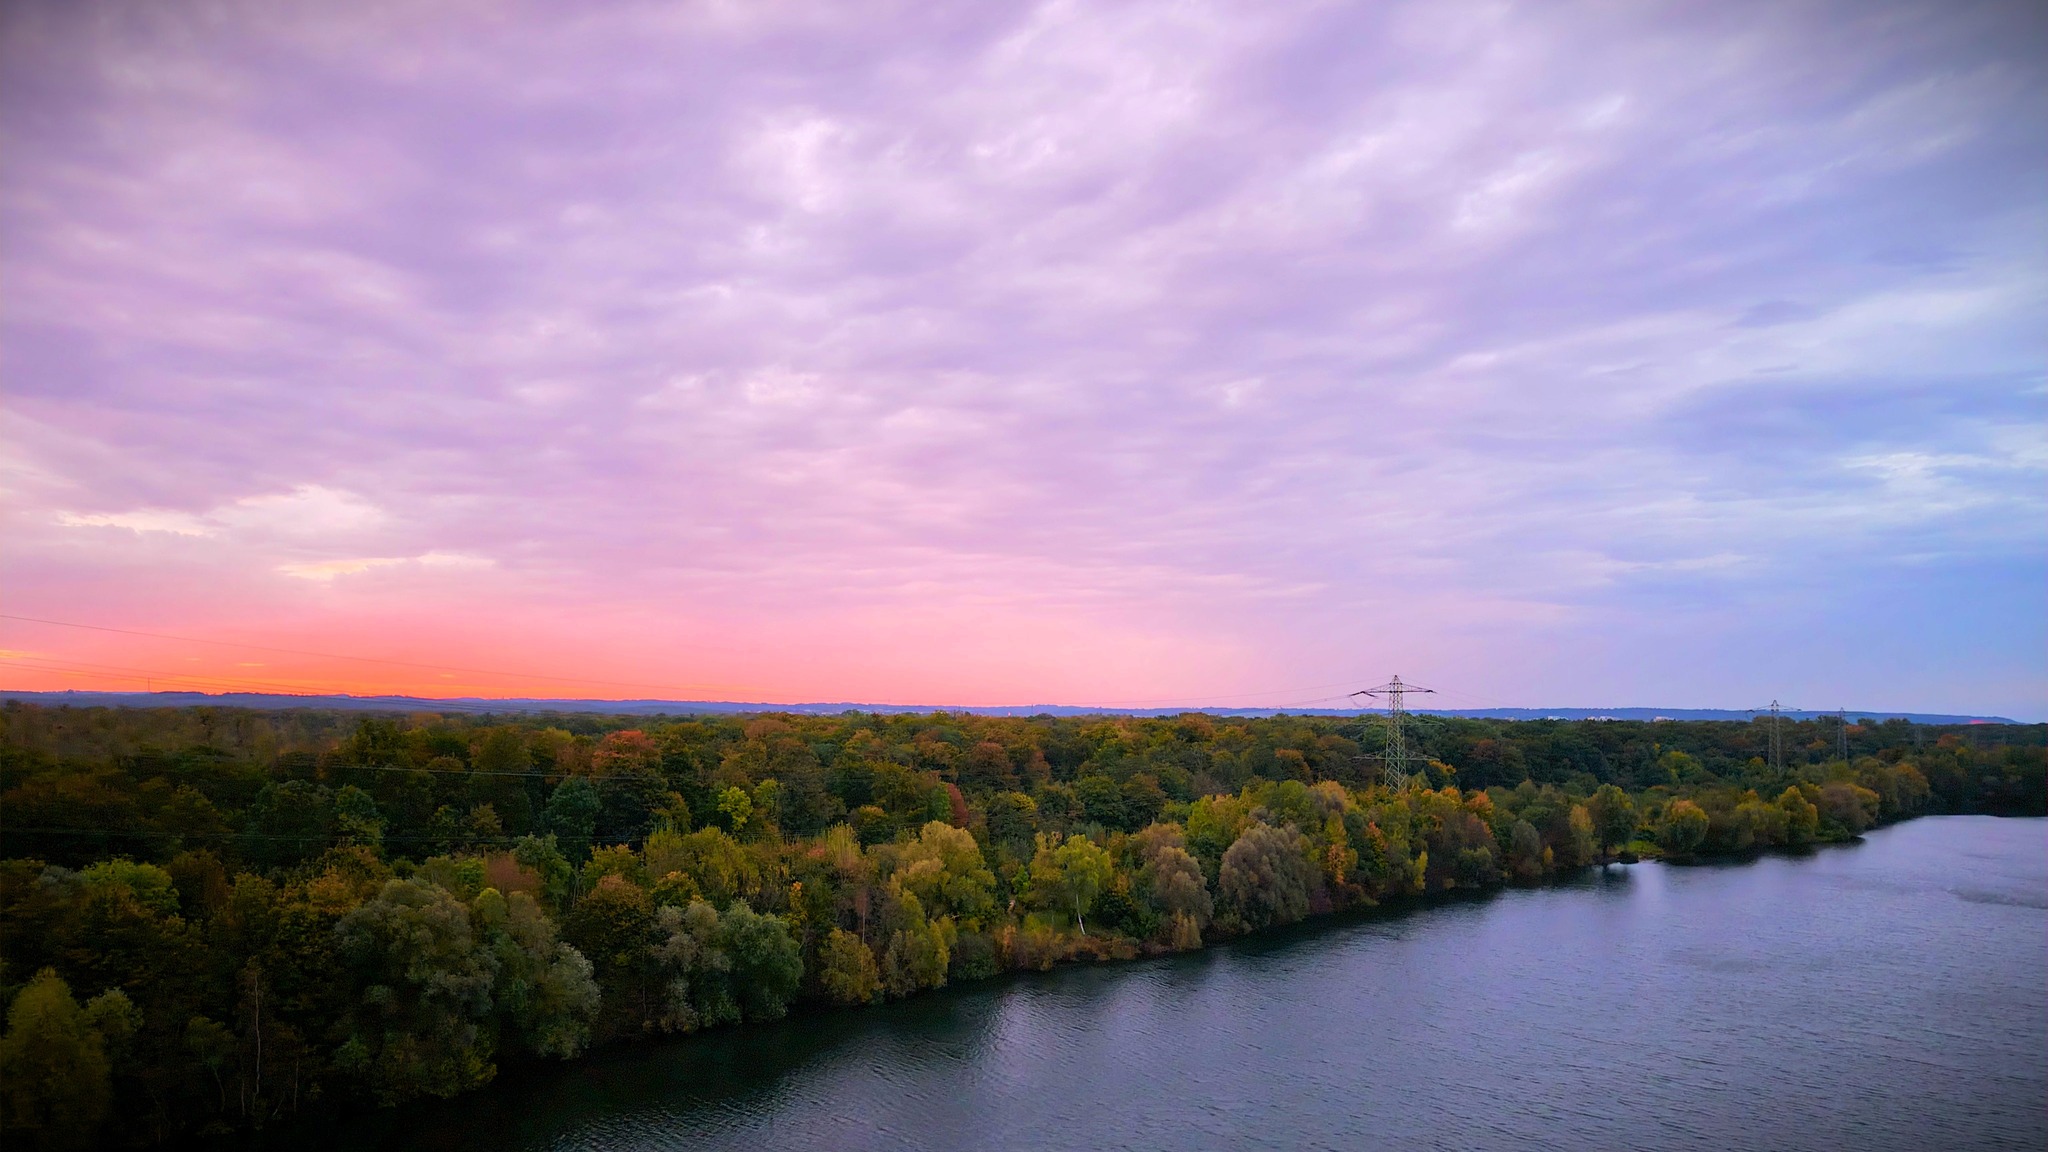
1777 739
1396 770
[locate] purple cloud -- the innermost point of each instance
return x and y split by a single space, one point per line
1554 353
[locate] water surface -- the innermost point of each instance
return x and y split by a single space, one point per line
1886 995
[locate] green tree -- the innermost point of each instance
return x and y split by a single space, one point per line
55 1076
944 867
692 969
422 993
1012 818
289 822
736 807
1267 877
917 956
1802 818
1525 851
149 886
1102 800
764 959
501 762
1170 881
543 989
571 814
724 870
1068 874
847 971
355 818
214 1046
1614 817
613 926
1581 839
1684 828
556 875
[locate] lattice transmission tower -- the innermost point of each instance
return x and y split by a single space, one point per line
1395 771
1777 736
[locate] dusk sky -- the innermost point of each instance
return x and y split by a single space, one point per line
1123 354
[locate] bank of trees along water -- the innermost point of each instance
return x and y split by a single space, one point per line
212 919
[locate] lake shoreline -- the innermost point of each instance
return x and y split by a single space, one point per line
513 1077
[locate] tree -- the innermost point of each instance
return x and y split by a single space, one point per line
1068 874
55 1076
691 969
613 925
501 761
149 885
543 992
355 818
571 814
988 768
1214 824
547 862
1802 818
1012 818
847 971
1143 798
720 968
1849 807
944 867
917 956
1684 828
1525 851
422 994
1102 800
289 822
1267 876
1581 838
766 964
1614 817
737 807
1171 883
722 869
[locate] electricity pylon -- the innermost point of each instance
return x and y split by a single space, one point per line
1395 771
1777 738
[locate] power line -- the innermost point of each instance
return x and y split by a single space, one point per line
1777 740
1236 695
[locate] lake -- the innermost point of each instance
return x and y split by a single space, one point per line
1888 994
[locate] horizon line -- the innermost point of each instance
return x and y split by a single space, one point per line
1560 712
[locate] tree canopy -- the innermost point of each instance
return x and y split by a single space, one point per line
215 919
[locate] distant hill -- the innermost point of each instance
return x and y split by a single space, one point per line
698 707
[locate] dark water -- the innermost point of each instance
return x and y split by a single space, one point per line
1892 994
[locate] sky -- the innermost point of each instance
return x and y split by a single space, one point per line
1124 354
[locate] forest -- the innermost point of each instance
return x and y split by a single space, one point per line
214 920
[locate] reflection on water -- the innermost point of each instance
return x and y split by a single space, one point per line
1888 995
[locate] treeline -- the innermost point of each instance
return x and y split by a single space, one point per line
216 919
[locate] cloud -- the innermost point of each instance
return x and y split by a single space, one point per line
306 510
1239 327
141 520
327 570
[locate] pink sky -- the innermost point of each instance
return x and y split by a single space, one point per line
1141 354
